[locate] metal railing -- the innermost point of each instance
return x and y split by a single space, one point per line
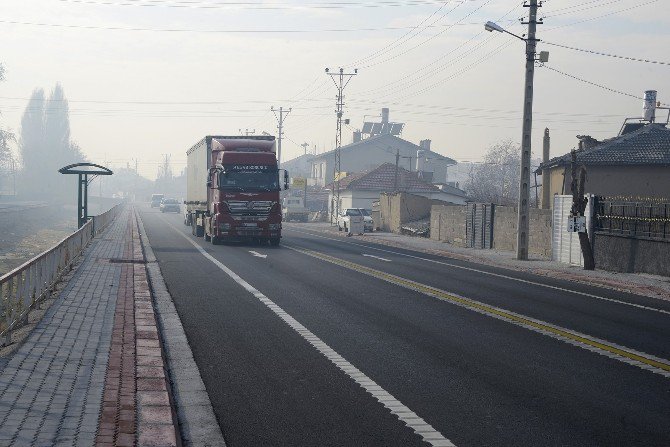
640 218
27 285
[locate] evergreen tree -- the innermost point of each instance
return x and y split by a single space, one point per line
31 144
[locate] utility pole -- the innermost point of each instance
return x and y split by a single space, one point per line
280 126
341 80
524 180
304 148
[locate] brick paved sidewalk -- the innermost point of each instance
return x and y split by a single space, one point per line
92 370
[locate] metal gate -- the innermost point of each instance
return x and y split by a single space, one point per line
479 225
565 246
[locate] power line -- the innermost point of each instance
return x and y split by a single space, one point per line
590 19
635 59
226 31
431 37
257 6
590 83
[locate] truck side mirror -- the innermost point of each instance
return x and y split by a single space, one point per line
285 179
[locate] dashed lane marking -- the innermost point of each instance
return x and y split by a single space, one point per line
411 419
376 257
498 275
621 353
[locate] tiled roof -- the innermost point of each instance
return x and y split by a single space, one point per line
382 178
649 145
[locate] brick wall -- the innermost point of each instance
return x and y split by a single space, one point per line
504 230
400 208
447 224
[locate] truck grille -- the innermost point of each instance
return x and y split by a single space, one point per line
253 208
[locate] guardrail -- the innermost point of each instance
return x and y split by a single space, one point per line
27 285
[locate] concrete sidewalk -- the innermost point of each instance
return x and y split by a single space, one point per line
92 371
647 285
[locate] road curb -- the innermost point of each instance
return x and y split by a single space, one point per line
195 416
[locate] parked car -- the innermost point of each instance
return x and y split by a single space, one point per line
169 205
156 200
367 220
350 218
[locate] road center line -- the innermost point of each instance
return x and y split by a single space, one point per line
498 275
411 419
617 352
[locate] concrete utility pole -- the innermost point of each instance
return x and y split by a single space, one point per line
546 183
397 161
524 179
304 148
341 80
280 126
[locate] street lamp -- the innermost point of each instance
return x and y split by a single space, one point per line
524 177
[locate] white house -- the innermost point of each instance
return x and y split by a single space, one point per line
361 189
369 153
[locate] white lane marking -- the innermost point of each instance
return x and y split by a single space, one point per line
376 257
255 253
498 275
417 424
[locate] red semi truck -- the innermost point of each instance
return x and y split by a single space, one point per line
232 189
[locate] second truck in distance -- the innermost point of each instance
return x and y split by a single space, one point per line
232 189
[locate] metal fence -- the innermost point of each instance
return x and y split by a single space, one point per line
25 286
649 218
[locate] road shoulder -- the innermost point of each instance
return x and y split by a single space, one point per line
197 423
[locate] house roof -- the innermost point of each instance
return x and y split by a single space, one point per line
649 145
384 142
382 178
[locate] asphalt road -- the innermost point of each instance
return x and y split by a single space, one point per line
294 343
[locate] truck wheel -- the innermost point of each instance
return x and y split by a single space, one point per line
274 241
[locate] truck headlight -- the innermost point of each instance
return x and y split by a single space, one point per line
274 226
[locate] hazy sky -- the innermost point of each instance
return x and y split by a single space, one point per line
151 77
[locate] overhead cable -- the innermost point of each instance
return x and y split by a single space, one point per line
635 59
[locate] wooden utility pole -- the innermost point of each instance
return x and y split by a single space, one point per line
579 203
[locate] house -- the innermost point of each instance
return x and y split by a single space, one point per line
299 166
634 164
369 153
361 189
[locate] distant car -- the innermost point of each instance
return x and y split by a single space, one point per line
347 217
156 200
367 220
169 205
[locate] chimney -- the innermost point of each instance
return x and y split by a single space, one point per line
425 145
546 182
385 115
587 142
357 136
649 106
420 161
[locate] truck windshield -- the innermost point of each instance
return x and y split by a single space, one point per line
243 180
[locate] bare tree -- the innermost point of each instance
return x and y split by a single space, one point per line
7 162
496 179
